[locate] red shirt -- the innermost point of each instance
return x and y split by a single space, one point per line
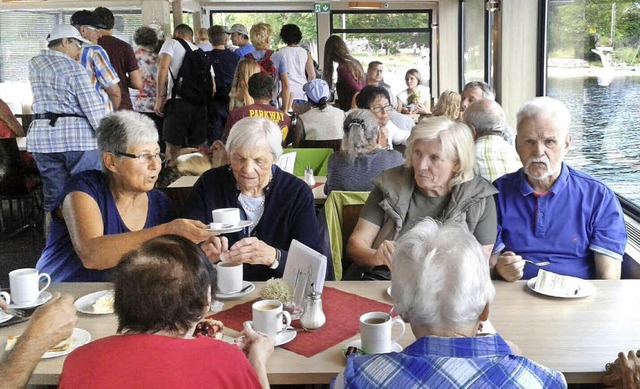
154 361
124 61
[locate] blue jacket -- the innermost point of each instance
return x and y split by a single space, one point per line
289 213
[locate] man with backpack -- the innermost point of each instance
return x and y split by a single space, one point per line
185 86
271 63
224 63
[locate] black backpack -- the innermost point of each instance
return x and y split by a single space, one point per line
194 83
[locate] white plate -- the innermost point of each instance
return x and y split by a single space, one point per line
395 347
389 292
285 336
43 298
586 289
229 228
85 303
226 296
79 338
4 317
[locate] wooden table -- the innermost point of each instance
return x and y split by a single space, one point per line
576 337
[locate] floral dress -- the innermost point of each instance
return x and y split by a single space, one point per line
144 101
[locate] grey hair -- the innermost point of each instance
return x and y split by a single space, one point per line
123 129
457 144
440 276
487 90
546 107
361 130
486 116
250 132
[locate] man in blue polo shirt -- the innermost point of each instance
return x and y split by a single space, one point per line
548 211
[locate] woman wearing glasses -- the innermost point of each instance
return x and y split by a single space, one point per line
437 180
102 215
376 99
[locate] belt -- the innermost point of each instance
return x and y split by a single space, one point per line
53 117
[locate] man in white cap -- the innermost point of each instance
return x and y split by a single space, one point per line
240 38
67 112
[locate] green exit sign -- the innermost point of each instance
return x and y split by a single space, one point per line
322 8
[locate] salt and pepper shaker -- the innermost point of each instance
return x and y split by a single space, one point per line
308 176
313 316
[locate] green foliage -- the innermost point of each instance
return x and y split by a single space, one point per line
306 21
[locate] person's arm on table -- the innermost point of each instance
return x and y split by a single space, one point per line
258 349
607 268
50 324
98 251
360 242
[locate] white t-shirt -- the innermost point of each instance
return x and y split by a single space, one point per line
296 60
174 49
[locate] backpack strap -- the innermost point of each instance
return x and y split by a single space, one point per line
250 56
187 48
267 56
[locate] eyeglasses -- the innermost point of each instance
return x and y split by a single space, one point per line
91 28
380 109
144 157
75 42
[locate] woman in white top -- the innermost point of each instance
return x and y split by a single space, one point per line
323 121
299 63
416 99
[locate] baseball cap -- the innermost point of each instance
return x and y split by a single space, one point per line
316 89
239 28
86 18
65 31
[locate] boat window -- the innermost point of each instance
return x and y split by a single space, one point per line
592 66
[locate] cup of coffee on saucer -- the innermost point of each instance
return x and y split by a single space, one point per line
25 285
375 332
269 317
225 218
229 277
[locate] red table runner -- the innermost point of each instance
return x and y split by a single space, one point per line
342 310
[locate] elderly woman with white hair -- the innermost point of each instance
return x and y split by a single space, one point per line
279 205
103 215
360 158
437 180
441 286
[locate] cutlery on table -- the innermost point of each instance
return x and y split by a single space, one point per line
540 264
14 312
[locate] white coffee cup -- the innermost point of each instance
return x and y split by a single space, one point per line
229 277
226 216
25 285
375 332
269 318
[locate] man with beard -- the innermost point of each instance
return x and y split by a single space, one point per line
548 211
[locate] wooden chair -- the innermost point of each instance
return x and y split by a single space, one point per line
17 188
342 211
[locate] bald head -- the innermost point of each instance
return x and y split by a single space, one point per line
485 117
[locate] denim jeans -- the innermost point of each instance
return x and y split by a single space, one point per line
56 168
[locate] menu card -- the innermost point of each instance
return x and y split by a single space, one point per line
287 161
304 259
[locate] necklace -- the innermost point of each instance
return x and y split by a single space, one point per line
247 207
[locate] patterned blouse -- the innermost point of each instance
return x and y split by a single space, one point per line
145 100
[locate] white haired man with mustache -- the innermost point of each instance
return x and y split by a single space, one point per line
548 211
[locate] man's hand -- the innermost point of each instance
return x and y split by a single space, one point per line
384 253
51 323
510 266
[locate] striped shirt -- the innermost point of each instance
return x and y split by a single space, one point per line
495 157
102 73
61 85
435 362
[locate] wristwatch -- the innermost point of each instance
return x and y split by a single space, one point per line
276 261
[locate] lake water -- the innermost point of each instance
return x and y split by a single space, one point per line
605 127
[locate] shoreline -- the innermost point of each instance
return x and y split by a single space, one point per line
578 72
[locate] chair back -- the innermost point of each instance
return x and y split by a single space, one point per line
342 211
318 159
12 170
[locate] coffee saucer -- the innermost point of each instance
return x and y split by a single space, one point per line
43 298
395 347
5 317
247 287
222 228
286 336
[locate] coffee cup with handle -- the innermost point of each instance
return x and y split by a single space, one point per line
375 332
25 285
269 317
229 277
225 218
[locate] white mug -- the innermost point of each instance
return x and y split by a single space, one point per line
269 318
25 285
226 216
229 277
375 332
